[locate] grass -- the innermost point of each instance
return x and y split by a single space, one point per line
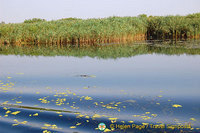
105 30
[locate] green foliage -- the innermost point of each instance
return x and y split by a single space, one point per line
70 19
142 16
34 20
195 15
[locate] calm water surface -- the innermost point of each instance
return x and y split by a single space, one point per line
72 94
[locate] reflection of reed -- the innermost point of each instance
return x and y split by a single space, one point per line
105 51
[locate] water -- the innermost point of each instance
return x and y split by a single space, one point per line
75 94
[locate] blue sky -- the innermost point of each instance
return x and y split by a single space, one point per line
19 10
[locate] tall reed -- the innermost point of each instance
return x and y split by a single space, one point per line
104 30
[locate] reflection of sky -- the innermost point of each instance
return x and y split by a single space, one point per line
139 83
145 74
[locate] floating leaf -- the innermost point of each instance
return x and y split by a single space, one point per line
47 125
193 119
20 73
36 114
46 131
96 116
176 105
107 130
78 124
154 115
113 119
7 112
88 98
15 113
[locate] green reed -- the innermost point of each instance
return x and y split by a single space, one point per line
174 27
105 30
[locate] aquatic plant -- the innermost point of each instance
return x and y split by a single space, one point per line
174 27
104 30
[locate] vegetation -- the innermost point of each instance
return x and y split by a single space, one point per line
105 30
34 20
174 27
74 31
103 51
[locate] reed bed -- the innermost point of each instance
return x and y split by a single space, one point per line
94 31
174 27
